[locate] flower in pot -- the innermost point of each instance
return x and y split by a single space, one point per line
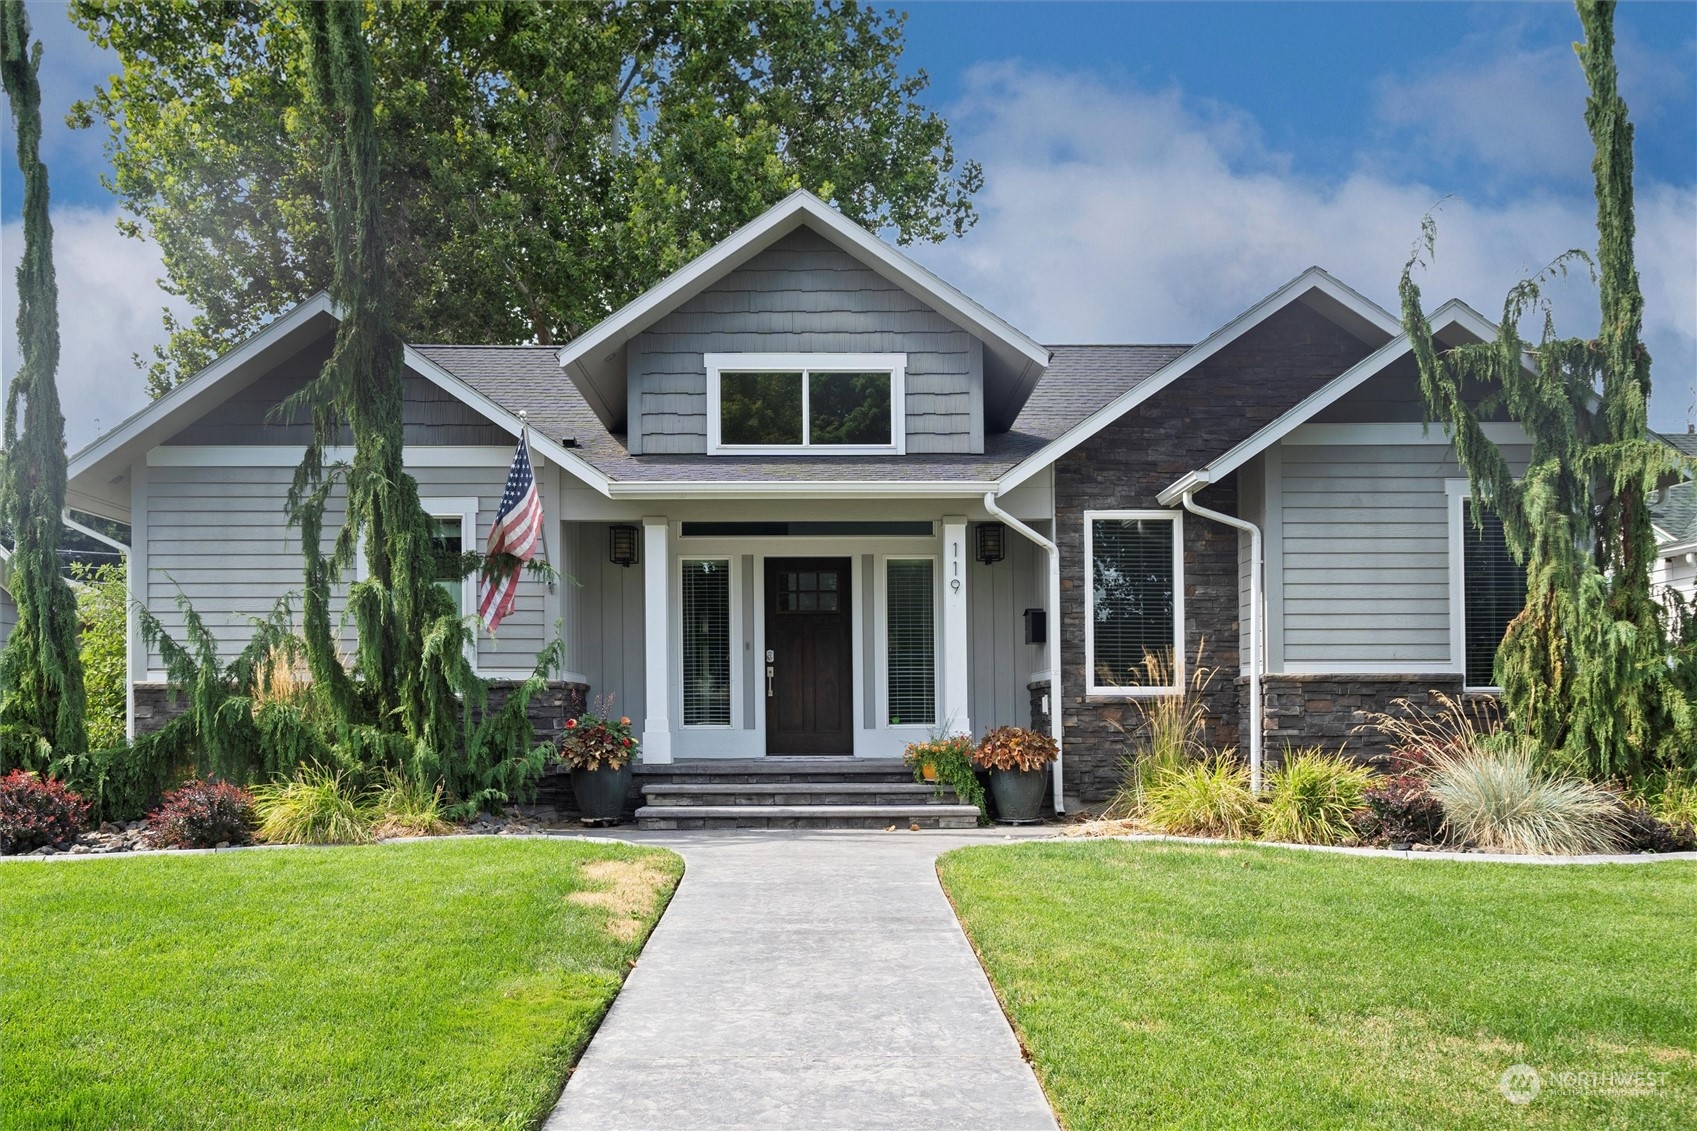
598 750
1016 758
947 761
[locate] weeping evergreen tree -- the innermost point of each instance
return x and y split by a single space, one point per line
407 698
1586 668
41 686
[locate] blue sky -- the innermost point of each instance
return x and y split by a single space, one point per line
1153 169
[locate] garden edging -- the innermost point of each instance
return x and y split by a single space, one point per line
1434 854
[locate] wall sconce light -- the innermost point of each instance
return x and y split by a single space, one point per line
992 542
622 545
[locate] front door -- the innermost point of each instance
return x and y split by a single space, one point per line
810 657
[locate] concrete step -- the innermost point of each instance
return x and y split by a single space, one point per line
777 768
662 817
795 793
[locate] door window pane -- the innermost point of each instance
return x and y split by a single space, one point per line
1493 592
707 643
848 408
912 643
760 408
1132 599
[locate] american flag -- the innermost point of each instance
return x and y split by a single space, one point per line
512 541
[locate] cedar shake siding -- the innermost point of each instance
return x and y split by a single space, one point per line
1225 400
804 295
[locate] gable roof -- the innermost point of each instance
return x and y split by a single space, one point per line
98 475
1674 514
1316 287
595 360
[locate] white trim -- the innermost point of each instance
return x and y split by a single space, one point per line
763 489
895 364
1384 435
761 232
1366 667
955 704
733 643
657 640
1092 688
1313 279
195 387
881 634
1295 421
289 455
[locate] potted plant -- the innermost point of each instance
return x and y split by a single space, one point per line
947 760
598 750
1016 758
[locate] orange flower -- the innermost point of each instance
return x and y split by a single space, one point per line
623 721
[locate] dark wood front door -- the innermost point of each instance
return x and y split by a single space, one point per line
810 654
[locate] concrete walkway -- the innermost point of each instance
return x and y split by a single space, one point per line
805 980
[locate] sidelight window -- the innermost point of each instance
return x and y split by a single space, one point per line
910 631
706 604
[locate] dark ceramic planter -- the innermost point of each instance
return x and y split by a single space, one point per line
601 793
1018 794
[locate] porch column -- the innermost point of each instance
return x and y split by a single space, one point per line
956 710
657 639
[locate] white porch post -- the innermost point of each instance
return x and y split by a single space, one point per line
657 651
956 710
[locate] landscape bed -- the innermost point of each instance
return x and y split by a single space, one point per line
1160 985
446 983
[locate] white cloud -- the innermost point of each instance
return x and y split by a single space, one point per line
109 308
1113 214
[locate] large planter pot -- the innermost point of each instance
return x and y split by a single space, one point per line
1018 794
601 793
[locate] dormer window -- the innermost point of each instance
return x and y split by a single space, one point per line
841 403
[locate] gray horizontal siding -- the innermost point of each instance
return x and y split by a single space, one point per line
1366 553
219 536
804 295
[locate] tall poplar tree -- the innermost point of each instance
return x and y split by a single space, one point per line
1586 668
41 686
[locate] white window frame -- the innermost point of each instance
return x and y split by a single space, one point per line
1459 491
893 363
1092 688
881 632
733 643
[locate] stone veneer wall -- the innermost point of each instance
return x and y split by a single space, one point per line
1331 711
1125 466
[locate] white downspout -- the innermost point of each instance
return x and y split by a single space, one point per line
129 618
1255 721
1053 642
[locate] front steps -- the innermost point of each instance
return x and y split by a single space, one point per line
825 792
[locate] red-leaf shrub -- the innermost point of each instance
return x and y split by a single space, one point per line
203 814
37 812
1404 811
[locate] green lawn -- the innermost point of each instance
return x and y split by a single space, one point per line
444 983
1161 985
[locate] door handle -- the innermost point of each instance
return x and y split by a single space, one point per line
768 681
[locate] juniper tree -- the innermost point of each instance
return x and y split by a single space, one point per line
404 701
1586 667
41 686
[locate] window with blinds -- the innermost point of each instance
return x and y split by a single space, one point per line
447 541
1493 592
1134 587
707 642
912 642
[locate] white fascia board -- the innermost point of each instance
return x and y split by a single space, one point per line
493 412
185 395
860 489
1313 279
1452 313
764 229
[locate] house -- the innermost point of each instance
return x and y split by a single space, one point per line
813 500
1673 511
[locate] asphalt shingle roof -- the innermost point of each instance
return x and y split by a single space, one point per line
1675 512
1079 380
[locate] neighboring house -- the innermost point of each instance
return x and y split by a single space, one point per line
812 499
1674 512
8 607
